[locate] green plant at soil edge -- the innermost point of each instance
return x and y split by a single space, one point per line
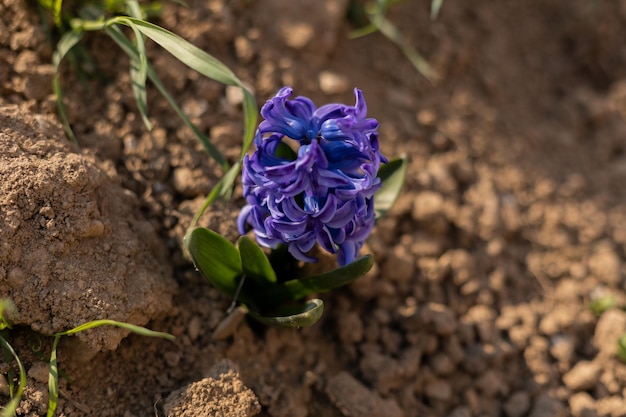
53 374
95 18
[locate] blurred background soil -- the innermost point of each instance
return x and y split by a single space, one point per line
512 220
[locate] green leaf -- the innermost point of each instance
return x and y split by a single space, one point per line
302 315
127 46
53 379
415 58
392 178
185 52
216 258
64 46
435 7
299 288
133 328
53 373
11 407
138 76
255 263
200 61
6 306
599 305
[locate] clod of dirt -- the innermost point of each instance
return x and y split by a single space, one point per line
221 393
73 246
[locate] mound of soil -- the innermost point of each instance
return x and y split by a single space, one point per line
511 222
74 246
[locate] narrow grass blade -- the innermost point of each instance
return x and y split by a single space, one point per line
200 61
53 379
435 7
133 328
418 61
187 53
392 177
65 44
302 315
134 10
127 46
138 76
11 407
53 373
250 117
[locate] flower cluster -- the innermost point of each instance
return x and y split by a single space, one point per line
322 195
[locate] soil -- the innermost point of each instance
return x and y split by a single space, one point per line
512 220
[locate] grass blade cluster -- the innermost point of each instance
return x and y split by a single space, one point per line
141 70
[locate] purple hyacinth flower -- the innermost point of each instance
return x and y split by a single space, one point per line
323 195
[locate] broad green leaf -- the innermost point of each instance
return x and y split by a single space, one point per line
392 179
299 288
255 264
303 315
11 407
216 258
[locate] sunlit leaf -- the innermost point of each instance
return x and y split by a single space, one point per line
299 288
53 372
216 258
301 315
133 328
201 62
138 76
53 379
392 177
65 44
11 407
435 7
130 49
255 263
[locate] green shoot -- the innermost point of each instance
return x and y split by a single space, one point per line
53 376
10 409
141 70
375 13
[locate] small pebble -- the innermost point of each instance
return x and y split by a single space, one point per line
517 405
583 376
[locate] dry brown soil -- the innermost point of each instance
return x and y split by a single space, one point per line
512 219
